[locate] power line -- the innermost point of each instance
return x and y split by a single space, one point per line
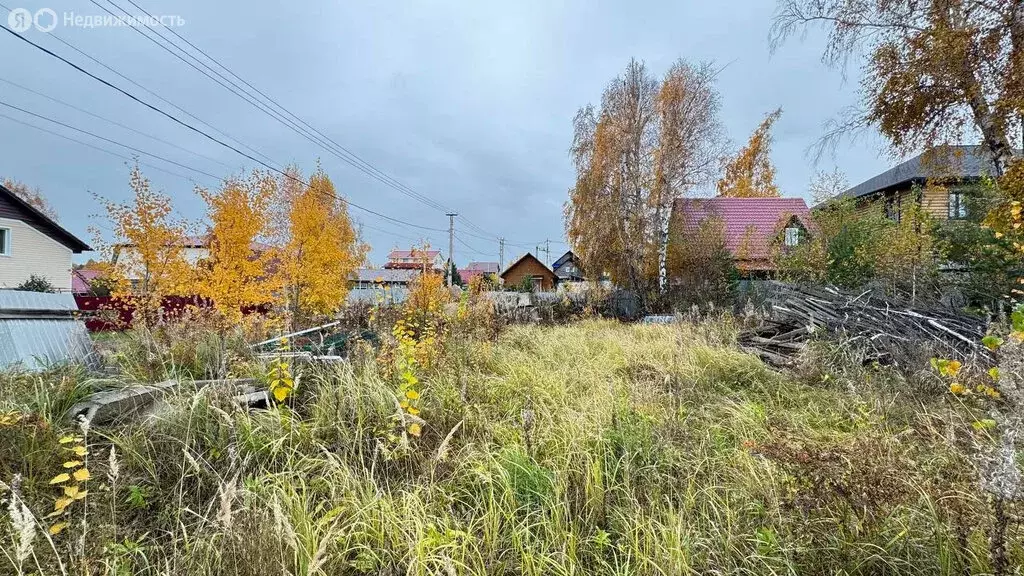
114 122
471 248
203 133
344 154
285 116
144 89
294 123
108 140
94 147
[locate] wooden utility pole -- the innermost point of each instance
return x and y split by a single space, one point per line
501 255
547 252
451 246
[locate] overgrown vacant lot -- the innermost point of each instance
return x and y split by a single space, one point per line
596 447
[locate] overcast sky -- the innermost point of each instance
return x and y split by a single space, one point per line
468 103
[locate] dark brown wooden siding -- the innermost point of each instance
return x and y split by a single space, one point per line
10 210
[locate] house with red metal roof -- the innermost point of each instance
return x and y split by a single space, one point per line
754 229
415 259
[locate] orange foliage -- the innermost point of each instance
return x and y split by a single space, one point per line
235 274
751 173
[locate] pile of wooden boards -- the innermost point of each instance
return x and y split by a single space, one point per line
887 330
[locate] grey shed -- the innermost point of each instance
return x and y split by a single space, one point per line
41 330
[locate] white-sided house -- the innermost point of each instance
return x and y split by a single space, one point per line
33 244
193 249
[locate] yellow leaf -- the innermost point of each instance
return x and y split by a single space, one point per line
414 411
73 464
67 440
412 395
61 503
58 528
60 478
71 491
280 393
81 494
82 474
79 450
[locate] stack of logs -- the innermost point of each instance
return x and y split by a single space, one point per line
885 329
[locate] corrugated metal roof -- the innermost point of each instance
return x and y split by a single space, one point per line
22 300
387 276
37 343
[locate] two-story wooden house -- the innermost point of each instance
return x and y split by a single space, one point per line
939 182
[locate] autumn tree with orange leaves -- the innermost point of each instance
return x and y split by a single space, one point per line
751 173
235 274
648 143
320 249
146 261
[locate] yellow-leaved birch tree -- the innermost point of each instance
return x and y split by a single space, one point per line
234 275
321 249
146 260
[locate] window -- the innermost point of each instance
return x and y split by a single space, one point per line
892 208
957 206
792 236
5 241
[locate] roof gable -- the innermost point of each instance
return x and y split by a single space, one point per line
750 224
13 206
524 258
567 257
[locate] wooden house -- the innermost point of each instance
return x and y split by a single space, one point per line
529 268
954 171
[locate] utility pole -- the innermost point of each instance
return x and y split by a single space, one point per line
451 245
501 255
547 252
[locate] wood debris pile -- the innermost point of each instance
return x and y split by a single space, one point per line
885 329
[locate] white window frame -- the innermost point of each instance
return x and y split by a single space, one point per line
957 206
5 246
792 236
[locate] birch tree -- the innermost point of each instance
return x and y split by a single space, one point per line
320 247
34 196
933 70
647 144
235 275
145 262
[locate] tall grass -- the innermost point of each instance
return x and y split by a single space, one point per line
592 448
